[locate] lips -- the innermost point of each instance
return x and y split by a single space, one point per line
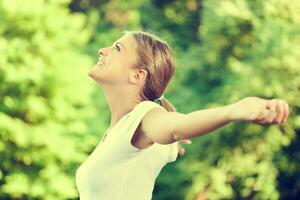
100 62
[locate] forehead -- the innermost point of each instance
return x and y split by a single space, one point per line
130 48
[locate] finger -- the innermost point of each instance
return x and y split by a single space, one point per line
181 151
179 148
186 141
278 111
282 111
287 111
271 105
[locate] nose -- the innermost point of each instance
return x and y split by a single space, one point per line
104 51
101 52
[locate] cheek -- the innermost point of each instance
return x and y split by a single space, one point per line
119 72
115 70
119 66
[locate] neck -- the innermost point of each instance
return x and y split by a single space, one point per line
120 103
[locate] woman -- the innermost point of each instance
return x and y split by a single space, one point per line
143 134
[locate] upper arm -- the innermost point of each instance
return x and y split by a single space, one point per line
158 125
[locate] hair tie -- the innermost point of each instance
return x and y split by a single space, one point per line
161 97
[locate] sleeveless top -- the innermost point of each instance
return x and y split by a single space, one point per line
117 170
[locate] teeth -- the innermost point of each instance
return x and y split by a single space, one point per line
100 63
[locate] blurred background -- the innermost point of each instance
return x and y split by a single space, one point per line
52 114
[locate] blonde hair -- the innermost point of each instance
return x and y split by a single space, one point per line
155 56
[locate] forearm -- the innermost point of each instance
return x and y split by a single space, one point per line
199 122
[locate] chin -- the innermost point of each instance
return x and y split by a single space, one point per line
95 73
91 73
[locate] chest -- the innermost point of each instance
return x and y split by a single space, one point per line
138 140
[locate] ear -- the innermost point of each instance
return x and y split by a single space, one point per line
138 76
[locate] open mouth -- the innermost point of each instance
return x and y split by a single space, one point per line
100 63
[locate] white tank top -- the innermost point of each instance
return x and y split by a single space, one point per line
117 170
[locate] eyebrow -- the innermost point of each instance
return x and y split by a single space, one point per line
121 44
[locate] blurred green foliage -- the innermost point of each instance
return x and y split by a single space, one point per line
52 115
44 118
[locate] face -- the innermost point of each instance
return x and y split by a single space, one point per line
115 63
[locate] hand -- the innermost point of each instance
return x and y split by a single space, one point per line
260 111
180 149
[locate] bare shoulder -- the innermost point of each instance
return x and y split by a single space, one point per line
158 124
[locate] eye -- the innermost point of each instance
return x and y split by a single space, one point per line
116 47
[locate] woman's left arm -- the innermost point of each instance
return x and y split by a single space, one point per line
173 126
249 109
197 123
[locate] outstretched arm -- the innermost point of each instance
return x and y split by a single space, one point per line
199 122
174 126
